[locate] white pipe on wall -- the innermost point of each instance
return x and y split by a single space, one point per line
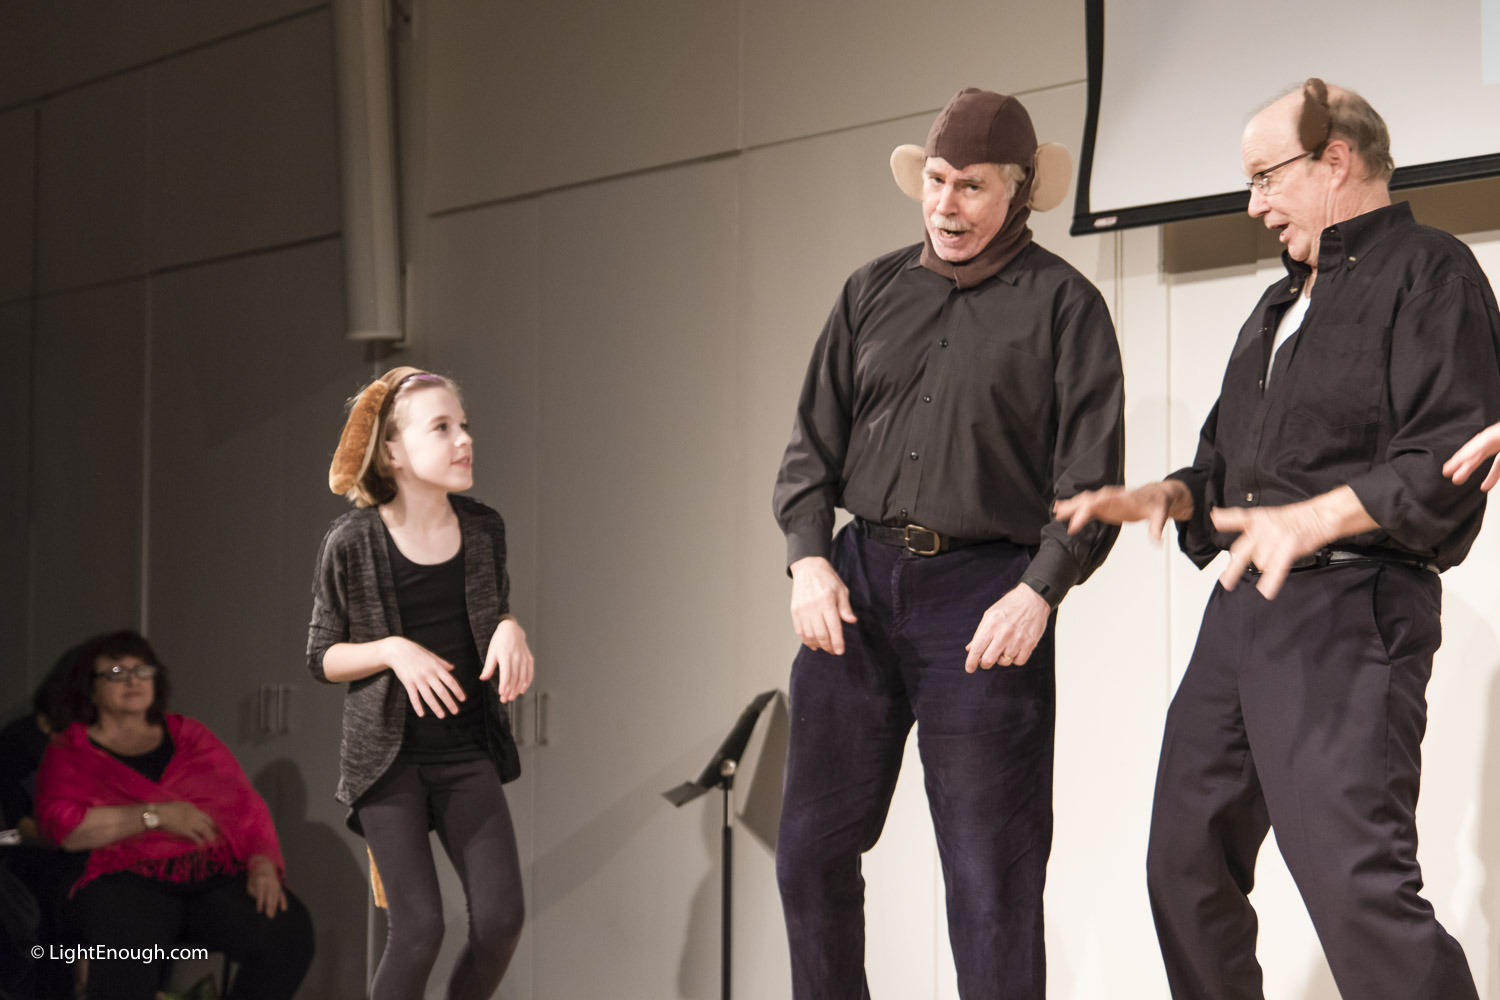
372 251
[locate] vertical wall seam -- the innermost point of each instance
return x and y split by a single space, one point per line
1167 603
33 337
739 83
147 340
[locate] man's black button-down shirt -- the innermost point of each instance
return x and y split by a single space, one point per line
967 411
1394 367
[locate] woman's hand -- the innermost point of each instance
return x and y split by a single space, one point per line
183 819
510 655
264 886
426 676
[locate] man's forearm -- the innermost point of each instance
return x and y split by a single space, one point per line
1341 514
1179 499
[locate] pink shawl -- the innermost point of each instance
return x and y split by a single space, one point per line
75 776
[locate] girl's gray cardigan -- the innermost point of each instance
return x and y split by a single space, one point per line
354 600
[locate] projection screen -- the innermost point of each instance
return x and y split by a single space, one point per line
1172 83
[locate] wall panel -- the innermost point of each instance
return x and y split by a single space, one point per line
526 97
90 211
636 601
88 456
17 202
24 667
63 43
243 151
816 67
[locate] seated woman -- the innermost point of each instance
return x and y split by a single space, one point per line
182 850
41 871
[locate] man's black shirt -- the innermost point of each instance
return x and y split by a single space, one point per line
1393 369
967 411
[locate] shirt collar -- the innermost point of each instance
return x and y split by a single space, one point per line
1010 273
1343 244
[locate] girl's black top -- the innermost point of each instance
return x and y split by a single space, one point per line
434 616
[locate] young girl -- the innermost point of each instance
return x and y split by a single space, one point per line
410 609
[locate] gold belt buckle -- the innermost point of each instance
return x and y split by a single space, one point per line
937 540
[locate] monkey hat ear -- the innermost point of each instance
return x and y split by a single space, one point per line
1052 169
906 166
1053 172
357 442
1315 124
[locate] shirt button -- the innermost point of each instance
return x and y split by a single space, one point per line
903 513
926 399
1249 497
913 456
1261 384
1353 259
943 342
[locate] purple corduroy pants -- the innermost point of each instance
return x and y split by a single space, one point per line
986 745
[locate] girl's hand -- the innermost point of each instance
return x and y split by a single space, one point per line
263 885
510 655
426 676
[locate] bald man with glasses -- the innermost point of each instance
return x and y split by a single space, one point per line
1319 470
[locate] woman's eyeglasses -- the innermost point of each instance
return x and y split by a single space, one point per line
117 674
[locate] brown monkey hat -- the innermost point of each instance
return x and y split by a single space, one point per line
355 472
980 126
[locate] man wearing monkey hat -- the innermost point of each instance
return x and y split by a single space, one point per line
1320 471
959 387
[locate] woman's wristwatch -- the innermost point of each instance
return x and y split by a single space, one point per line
151 818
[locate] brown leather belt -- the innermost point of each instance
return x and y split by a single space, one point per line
916 539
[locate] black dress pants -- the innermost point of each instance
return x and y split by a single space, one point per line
1305 714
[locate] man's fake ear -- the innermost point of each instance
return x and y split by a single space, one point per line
1315 124
1052 172
1051 167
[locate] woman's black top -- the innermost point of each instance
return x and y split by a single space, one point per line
434 615
153 763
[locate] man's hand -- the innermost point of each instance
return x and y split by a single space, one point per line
820 605
1274 537
509 654
1471 456
263 885
1009 630
1153 503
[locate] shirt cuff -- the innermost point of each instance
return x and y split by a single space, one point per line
1195 536
807 539
1384 496
1052 572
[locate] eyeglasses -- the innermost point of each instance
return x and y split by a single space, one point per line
1261 181
117 674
